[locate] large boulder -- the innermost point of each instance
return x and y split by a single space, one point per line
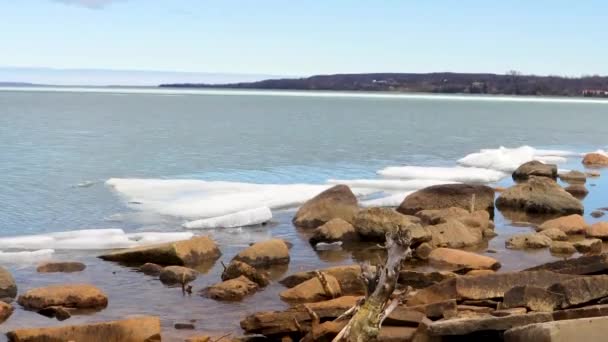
454 234
8 287
312 290
595 159
449 195
231 290
598 230
462 259
171 275
196 250
335 230
529 240
539 195
535 168
375 223
61 266
573 177
265 253
144 328
236 269
335 202
78 296
349 278
571 224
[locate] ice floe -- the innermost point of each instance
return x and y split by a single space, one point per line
239 219
389 184
508 159
26 256
453 174
393 200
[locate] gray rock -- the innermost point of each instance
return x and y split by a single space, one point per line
539 195
447 196
535 168
171 275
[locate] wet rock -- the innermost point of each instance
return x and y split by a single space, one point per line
598 230
539 195
78 296
171 275
183 326
489 233
265 253
349 278
58 312
462 259
151 269
6 310
562 247
597 214
571 224
422 252
466 326
231 290
530 240
532 297
454 234
582 289
194 251
335 230
237 269
420 280
535 168
595 159
8 287
590 264
374 223
312 290
477 273
479 219
145 328
65 266
577 190
573 177
554 234
591 246
336 202
593 329
449 195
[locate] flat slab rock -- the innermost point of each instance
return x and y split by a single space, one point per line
584 265
265 253
78 296
584 329
61 266
581 290
349 278
231 290
464 326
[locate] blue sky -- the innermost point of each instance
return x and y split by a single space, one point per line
307 37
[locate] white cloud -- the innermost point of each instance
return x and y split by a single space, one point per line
94 4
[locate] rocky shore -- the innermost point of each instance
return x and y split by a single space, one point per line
453 293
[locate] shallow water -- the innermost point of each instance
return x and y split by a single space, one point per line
59 148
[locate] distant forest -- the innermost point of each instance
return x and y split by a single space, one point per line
512 83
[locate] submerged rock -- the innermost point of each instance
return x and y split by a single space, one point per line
597 214
194 251
231 290
58 312
61 266
171 275
8 287
335 202
265 253
78 296
595 159
237 269
449 195
577 190
462 259
535 168
313 291
571 224
539 195
374 223
151 269
573 177
335 230
530 240
598 230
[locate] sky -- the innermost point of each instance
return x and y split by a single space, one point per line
306 37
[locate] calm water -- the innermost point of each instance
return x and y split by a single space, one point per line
50 142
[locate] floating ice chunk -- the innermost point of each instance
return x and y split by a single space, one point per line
508 159
26 256
90 239
389 184
86 184
551 159
455 174
387 201
240 219
324 246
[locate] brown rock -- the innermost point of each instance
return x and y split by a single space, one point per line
562 247
265 253
437 310
532 297
589 264
449 195
588 246
404 316
237 269
535 168
539 195
195 251
8 287
596 159
58 312
422 252
598 230
335 230
554 234
577 190
584 312
466 326
374 223
231 290
509 312
462 259
6 310
571 224
420 280
396 334
454 234
477 273
573 177
593 329
313 291
336 202
349 278
65 266
479 219
144 328
597 213
581 290
177 275
151 269
79 296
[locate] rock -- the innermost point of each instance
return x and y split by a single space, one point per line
404 316
479 219
374 223
58 312
183 326
151 269
454 234
194 251
509 312
466 326
573 177
489 233
349 278
596 159
8 287
6 310
598 230
554 234
530 240
535 168
577 190
588 246
589 330
584 312
490 286
65 266
396 334
532 297
420 280
237 269
171 275
336 202
335 230
265 253
597 214
562 247
144 328
571 224
449 195
477 273
313 291
590 264
231 290
581 290
422 252
539 195
462 259
437 310
78 296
